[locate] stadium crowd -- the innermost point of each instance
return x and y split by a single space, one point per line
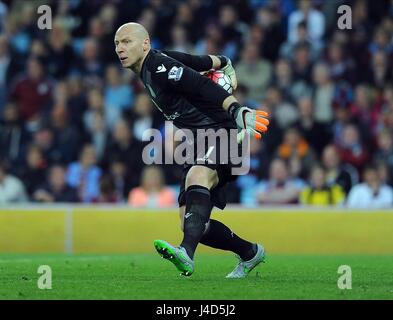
71 120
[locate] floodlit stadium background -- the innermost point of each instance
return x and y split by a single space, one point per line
320 181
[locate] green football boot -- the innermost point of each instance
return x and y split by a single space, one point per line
177 255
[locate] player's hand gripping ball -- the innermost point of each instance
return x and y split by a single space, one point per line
221 79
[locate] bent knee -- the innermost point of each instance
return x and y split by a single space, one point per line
201 176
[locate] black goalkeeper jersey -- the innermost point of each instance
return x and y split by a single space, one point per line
181 93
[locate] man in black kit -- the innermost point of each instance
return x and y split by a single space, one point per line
192 101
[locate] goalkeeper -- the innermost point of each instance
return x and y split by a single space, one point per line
193 102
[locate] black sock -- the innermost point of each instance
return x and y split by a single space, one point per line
219 236
196 216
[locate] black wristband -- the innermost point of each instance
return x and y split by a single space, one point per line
234 109
223 61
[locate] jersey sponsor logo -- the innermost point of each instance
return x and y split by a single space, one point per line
161 68
175 73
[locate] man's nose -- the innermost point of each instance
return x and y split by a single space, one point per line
119 50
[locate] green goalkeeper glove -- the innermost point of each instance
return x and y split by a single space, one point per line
252 121
229 70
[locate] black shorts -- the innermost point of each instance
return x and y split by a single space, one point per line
224 164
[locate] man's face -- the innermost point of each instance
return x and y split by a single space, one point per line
371 177
278 171
129 46
330 157
57 177
34 69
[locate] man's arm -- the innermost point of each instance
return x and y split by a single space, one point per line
199 63
203 63
182 79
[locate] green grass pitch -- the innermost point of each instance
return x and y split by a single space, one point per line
147 276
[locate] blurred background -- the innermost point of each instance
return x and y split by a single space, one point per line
71 120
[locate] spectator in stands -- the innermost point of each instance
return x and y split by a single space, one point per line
122 179
316 133
283 111
13 136
283 80
55 189
268 21
89 63
381 42
386 119
102 32
339 173
323 93
253 71
371 194
232 30
273 137
383 172
98 134
11 188
384 151
67 139
180 40
108 192
77 103
351 149
381 69
341 66
288 48
342 117
143 116
118 95
301 63
318 192
85 175
364 110
9 67
296 152
95 104
184 17
313 18
152 191
32 92
123 147
60 54
241 95
211 43
148 19
280 188
24 28
33 171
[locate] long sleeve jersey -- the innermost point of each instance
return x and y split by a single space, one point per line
181 93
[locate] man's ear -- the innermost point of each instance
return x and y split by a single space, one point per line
146 44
